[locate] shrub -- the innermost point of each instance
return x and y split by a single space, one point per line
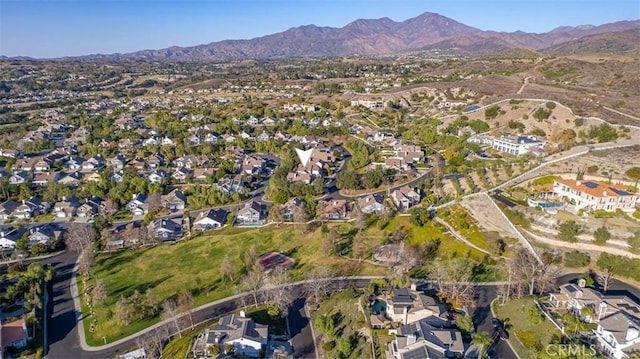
576 259
579 121
528 338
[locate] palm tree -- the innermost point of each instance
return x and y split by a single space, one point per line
482 339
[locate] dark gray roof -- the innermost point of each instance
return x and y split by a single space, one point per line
402 295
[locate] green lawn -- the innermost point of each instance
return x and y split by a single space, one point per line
525 336
194 265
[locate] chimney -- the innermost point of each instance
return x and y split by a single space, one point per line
64 198
578 183
243 314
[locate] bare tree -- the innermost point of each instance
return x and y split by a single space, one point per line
360 220
123 311
99 292
527 271
454 281
605 278
170 312
185 304
275 214
358 246
250 256
80 236
318 283
279 294
252 282
154 203
227 268
300 218
85 261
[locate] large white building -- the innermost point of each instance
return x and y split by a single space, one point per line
247 337
595 195
517 145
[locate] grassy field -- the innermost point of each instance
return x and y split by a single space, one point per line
458 218
524 335
194 265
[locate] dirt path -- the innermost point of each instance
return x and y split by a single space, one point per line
460 237
581 246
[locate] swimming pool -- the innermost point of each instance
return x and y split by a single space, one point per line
379 306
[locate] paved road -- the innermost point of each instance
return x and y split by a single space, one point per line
64 342
300 331
482 316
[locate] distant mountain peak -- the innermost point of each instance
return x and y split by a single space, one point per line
371 37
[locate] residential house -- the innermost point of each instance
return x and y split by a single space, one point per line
66 208
70 179
188 161
9 237
334 209
372 203
405 197
139 164
90 208
252 165
44 234
231 184
157 176
210 219
201 174
211 138
74 163
303 177
194 140
166 229
265 136
228 138
42 179
118 162
517 145
19 177
7 209
155 161
181 174
93 163
595 195
617 334
290 208
138 205
167 141
247 337
13 335
94 177
117 176
407 306
174 200
252 214
425 341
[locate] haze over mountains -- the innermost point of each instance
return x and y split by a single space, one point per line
384 36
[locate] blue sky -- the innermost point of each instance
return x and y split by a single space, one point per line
54 28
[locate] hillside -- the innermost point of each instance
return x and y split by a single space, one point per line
377 37
620 42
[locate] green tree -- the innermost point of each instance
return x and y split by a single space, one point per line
482 339
348 180
634 174
374 178
568 231
602 235
464 322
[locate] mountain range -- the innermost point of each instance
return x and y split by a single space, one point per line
375 37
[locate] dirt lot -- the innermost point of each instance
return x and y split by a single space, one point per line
607 163
488 216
